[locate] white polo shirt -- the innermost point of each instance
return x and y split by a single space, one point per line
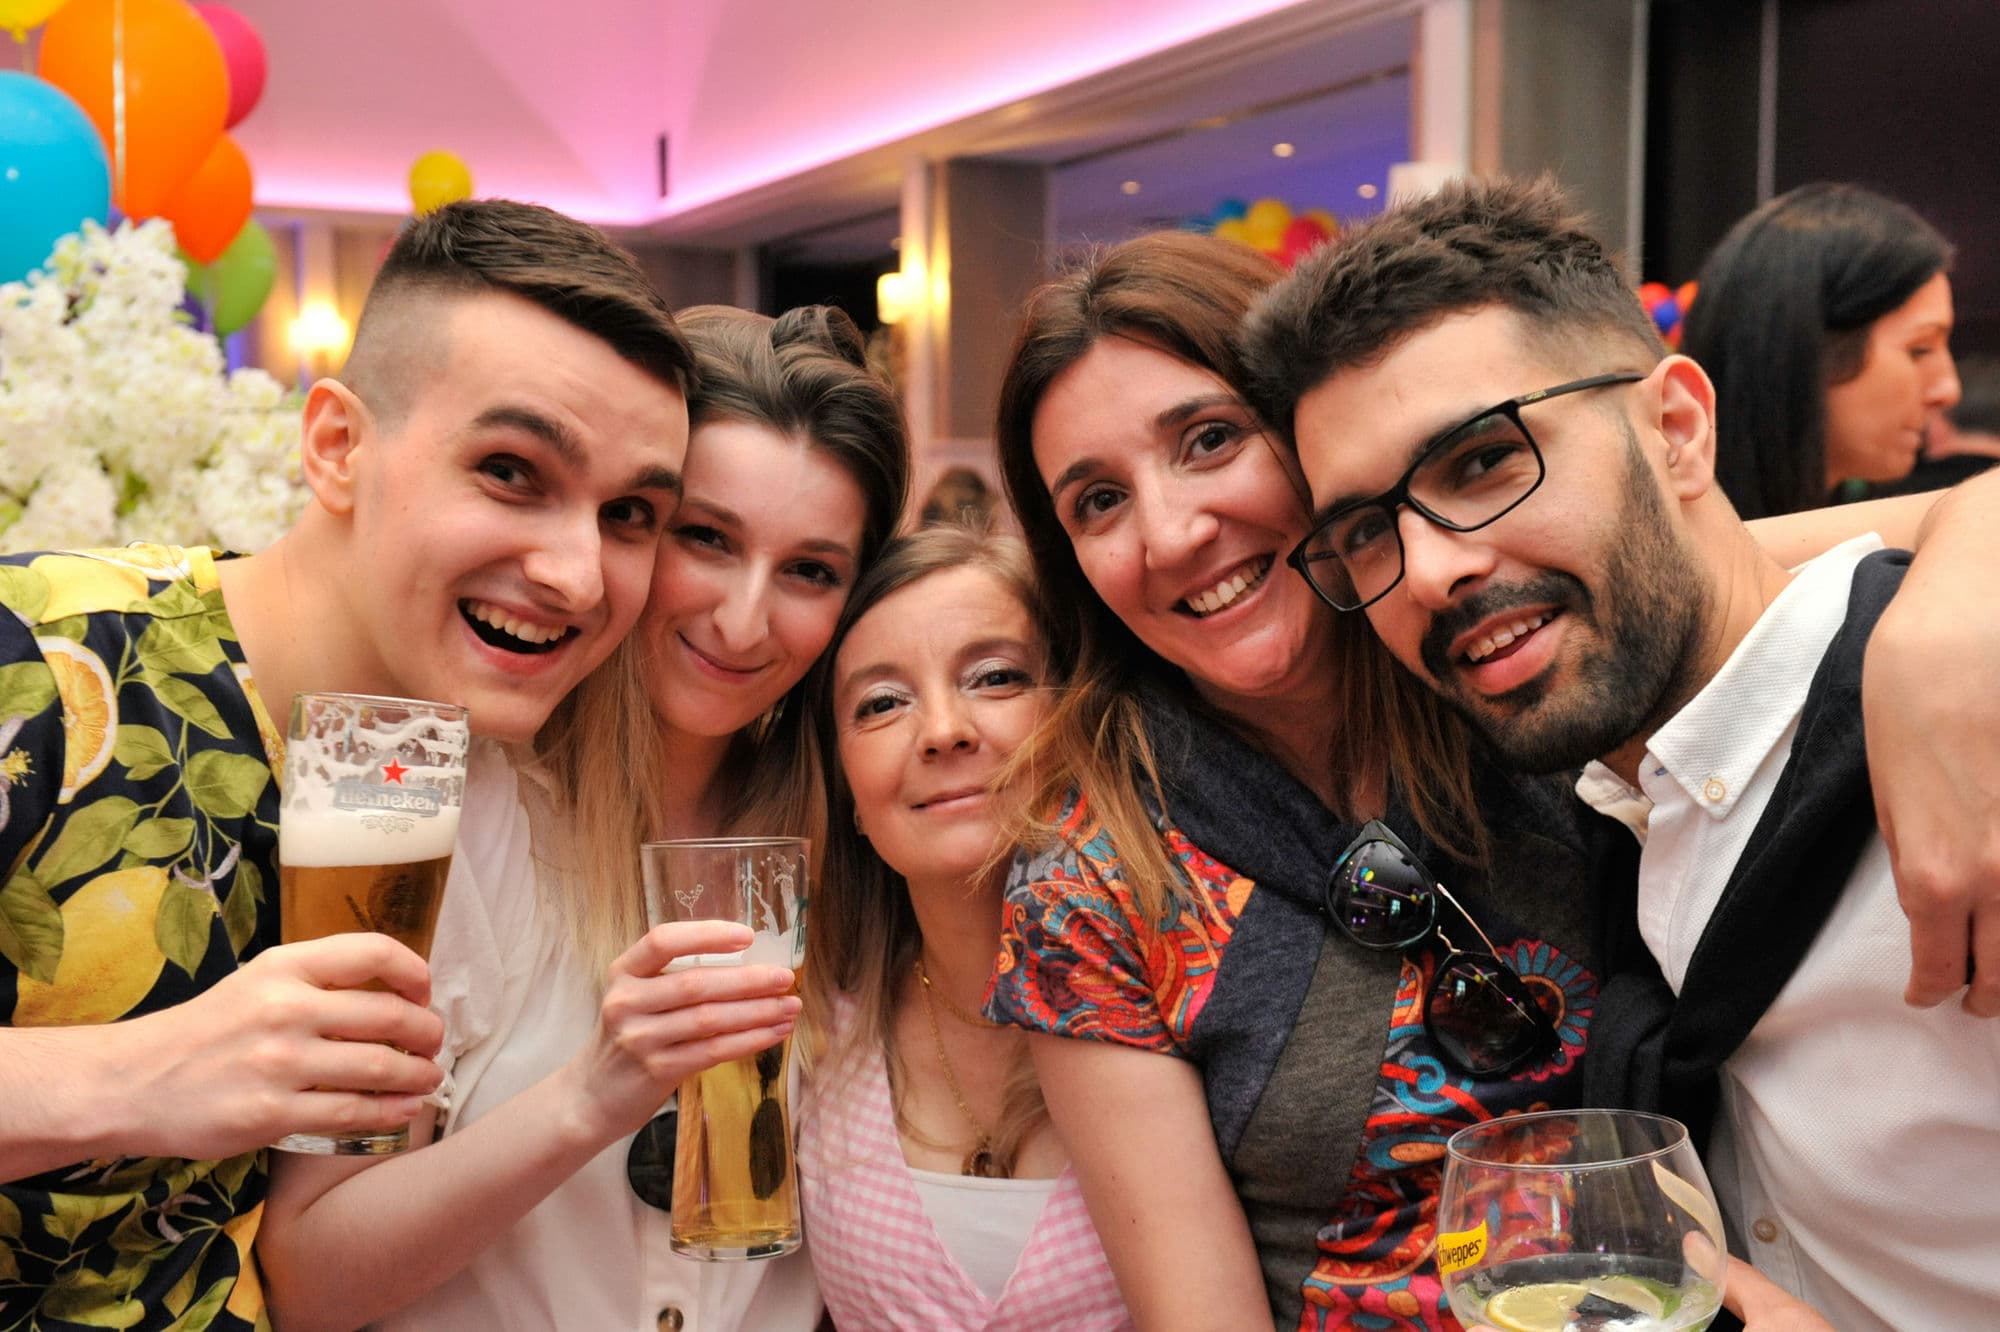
1857 1148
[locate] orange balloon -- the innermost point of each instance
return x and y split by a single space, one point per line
176 90
214 204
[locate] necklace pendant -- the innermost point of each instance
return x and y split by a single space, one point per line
979 1163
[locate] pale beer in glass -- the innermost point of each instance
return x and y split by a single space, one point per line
735 1190
369 814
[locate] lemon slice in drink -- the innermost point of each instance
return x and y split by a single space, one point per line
1654 1299
1539 1308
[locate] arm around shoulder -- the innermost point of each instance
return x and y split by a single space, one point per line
1933 732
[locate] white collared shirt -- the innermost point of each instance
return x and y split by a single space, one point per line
1858 1147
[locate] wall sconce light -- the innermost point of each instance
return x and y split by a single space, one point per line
895 296
319 332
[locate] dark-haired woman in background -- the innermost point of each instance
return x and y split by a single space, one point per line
563 1036
1824 318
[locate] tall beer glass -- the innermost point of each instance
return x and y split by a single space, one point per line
736 1192
366 825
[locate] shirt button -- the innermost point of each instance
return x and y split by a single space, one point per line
1766 1229
670 1319
1714 789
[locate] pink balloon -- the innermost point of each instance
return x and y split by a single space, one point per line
242 52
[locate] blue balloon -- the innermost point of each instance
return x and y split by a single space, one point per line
1228 208
1666 314
53 171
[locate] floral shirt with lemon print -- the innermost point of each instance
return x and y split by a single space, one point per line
139 838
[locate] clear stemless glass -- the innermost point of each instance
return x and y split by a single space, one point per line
735 1186
1579 1221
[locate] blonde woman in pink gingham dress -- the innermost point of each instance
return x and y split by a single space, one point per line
936 1194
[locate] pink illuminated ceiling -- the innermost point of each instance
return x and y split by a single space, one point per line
563 102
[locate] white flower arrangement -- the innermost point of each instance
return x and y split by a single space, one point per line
117 423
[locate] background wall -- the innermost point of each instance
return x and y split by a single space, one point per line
1900 95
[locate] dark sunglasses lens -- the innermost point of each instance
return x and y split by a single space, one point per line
1381 897
1483 1016
649 1163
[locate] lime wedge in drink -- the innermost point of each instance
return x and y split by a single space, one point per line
1543 1307
1654 1299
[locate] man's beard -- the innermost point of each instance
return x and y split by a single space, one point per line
1657 605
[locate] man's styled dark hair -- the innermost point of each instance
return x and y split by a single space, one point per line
569 268
1515 244
1782 312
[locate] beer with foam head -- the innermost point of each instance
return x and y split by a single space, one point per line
365 834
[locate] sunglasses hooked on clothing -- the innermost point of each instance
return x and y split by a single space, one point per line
1478 1012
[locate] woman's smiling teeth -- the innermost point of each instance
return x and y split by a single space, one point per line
1501 637
1239 580
490 621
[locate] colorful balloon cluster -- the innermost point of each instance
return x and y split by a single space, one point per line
1668 307
131 110
1269 225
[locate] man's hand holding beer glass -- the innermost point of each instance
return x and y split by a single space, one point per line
281 1045
287 1043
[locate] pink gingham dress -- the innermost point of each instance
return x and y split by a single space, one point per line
880 1262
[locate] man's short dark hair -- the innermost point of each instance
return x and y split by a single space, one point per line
569 268
1515 244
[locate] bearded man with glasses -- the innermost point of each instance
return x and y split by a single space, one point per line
1562 568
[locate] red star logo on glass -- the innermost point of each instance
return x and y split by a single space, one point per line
393 771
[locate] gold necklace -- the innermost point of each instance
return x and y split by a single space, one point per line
969 1019
980 1161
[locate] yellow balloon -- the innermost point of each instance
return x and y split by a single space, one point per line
21 15
1232 228
1266 222
439 178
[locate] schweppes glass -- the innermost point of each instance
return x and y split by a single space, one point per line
735 1190
366 825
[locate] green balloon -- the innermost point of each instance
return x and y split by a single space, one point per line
234 287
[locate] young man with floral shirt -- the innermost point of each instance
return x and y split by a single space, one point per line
488 479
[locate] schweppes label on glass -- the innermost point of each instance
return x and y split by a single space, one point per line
1460 1248
421 801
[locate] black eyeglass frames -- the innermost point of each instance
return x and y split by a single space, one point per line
1470 475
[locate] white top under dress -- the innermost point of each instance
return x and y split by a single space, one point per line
903 1250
